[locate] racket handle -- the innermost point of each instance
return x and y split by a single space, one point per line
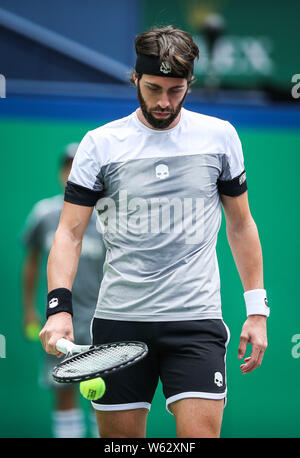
64 346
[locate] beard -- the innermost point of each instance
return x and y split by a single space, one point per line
155 122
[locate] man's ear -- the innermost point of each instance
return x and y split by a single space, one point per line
134 78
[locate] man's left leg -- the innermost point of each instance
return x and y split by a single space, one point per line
193 375
195 417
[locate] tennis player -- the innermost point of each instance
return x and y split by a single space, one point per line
67 417
157 179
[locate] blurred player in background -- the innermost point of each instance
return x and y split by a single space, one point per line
67 418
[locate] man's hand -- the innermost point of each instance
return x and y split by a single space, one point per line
57 326
254 332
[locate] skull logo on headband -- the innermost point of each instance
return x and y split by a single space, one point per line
165 67
152 65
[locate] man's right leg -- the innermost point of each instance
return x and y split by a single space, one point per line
123 409
122 423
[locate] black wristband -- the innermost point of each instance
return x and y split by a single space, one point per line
59 300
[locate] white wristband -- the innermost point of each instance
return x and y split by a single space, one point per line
256 302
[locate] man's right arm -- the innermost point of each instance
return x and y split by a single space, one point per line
62 267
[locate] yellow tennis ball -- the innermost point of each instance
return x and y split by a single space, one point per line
32 331
92 389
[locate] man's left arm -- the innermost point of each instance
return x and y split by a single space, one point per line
246 249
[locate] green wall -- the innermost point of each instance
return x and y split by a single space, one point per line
265 403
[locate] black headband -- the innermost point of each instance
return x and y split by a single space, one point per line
151 65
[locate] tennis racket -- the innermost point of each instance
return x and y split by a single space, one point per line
85 362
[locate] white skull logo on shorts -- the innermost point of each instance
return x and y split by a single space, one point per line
162 171
218 379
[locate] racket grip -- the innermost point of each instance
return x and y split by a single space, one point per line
64 346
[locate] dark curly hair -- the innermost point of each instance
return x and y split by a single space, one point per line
169 44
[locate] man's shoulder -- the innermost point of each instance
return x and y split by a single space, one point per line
204 120
112 128
210 128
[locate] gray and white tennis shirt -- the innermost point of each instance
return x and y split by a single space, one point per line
156 193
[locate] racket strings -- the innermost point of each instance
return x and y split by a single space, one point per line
98 360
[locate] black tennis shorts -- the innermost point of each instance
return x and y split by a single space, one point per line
188 356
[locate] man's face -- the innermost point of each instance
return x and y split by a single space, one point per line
161 98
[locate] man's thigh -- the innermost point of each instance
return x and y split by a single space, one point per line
200 418
122 424
193 360
132 388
